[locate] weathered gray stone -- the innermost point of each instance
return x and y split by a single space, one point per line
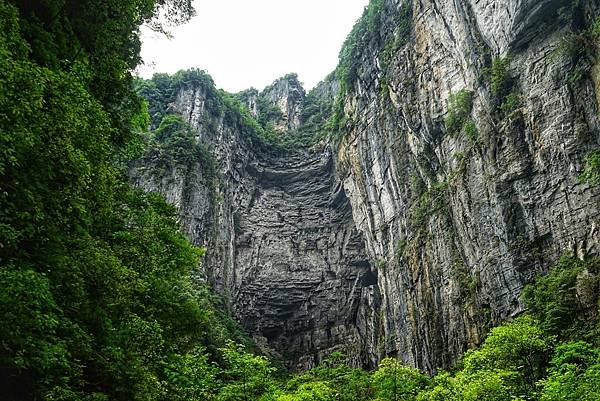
287 94
511 201
400 238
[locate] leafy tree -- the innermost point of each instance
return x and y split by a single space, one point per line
487 385
574 374
191 376
244 376
395 381
516 352
555 301
443 387
311 391
97 300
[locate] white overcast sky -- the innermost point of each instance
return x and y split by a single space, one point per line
250 43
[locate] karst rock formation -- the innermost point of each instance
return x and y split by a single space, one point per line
449 180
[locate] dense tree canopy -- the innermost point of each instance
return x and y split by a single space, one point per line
96 295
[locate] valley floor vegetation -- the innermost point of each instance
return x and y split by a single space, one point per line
98 297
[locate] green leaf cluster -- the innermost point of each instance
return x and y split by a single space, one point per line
365 35
458 119
591 170
502 86
566 301
97 299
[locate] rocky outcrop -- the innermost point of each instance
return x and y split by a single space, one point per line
453 182
287 94
303 280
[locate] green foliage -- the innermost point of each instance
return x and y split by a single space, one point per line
591 170
267 112
175 144
510 104
470 130
254 132
443 387
429 202
518 349
394 380
364 31
32 326
190 376
566 300
581 45
244 376
331 380
574 374
502 86
161 91
315 114
311 391
367 33
514 361
101 36
458 119
499 80
401 34
96 296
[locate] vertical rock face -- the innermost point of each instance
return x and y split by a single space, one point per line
287 94
411 234
281 243
303 279
464 220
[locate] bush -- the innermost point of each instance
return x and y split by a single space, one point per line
458 119
555 302
591 170
574 374
500 82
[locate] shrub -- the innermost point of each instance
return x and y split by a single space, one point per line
591 171
499 79
555 302
458 119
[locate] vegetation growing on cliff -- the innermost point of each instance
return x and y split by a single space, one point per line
591 171
502 86
547 354
367 34
459 119
258 129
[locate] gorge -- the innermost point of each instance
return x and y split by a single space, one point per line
400 207
422 225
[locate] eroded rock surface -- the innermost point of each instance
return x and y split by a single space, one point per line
463 223
402 238
287 94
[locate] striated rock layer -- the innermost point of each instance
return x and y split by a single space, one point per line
405 236
282 246
499 208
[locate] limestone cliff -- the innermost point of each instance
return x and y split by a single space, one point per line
450 179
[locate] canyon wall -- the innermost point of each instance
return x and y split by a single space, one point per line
449 181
